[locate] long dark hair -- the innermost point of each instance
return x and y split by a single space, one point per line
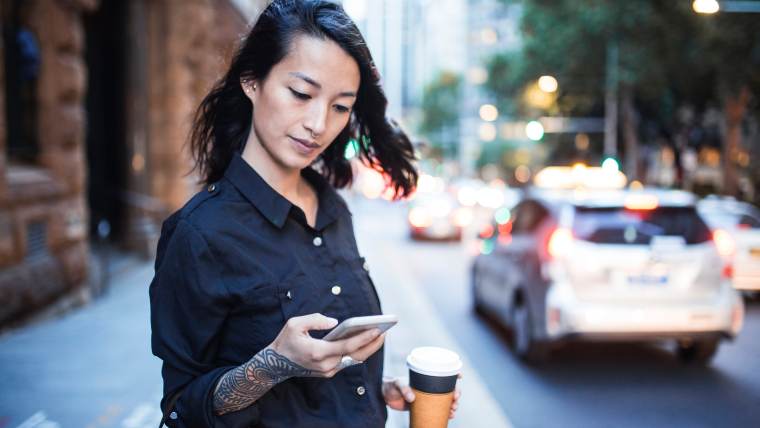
223 119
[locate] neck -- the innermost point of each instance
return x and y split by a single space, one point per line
285 181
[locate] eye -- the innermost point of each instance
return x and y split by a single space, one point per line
342 109
300 95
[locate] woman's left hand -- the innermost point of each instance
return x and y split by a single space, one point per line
398 395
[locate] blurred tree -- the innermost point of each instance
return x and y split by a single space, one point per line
732 51
654 55
441 100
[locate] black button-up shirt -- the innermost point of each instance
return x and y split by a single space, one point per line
232 266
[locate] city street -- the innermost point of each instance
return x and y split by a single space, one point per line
93 368
583 385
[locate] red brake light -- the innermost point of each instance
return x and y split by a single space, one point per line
728 271
724 242
560 242
486 232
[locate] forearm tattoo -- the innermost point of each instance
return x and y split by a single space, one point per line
243 385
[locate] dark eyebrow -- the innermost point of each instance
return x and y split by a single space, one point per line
314 83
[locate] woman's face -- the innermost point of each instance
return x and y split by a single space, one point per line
304 102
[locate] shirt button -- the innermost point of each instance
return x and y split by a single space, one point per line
336 290
211 187
288 295
360 390
173 415
317 241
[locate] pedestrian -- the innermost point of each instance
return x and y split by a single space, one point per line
254 269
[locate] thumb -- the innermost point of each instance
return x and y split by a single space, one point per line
315 322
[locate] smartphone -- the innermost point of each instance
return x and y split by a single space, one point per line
356 325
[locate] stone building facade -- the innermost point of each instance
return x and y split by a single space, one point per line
113 94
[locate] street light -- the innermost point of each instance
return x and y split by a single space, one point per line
548 84
534 130
705 6
488 112
731 6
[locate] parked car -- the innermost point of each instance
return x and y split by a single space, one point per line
437 215
614 265
741 222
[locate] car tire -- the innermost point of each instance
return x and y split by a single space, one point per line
524 344
699 352
477 305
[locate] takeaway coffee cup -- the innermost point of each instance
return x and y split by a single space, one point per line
433 377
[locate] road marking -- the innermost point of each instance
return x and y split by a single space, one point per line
39 420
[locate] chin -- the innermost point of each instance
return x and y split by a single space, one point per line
296 161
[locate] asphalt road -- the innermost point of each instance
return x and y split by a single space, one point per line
587 385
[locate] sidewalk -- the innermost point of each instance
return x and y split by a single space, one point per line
107 376
419 323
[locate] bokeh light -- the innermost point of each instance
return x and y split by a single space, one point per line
548 84
488 112
487 132
534 130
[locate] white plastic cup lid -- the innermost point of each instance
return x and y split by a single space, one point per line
434 361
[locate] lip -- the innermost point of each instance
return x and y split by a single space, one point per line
304 146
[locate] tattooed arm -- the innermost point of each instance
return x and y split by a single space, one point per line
243 385
294 353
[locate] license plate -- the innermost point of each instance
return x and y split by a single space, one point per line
648 279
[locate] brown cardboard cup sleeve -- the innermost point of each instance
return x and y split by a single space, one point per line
432 375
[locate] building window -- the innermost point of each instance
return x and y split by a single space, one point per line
22 68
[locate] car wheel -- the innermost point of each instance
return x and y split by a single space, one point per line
477 305
524 344
698 351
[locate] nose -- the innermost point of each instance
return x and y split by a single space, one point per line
316 120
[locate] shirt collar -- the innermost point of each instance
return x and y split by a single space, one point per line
273 205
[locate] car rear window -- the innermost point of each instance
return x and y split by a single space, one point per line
729 220
618 225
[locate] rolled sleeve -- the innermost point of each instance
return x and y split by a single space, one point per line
189 305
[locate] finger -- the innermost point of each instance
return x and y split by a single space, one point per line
354 343
332 372
313 322
405 390
408 394
365 352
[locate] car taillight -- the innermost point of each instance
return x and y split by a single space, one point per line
560 242
728 271
724 242
486 232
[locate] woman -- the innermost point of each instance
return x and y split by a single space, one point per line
253 270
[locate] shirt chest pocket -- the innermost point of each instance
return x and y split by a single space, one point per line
267 307
297 296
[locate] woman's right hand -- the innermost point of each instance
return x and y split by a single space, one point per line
322 358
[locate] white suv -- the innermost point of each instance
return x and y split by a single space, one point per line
615 265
